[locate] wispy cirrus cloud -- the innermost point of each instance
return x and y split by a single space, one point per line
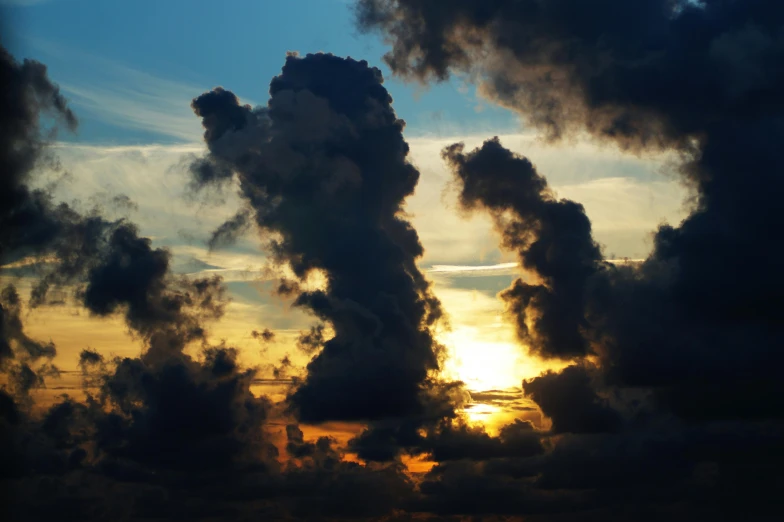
123 96
625 197
146 106
501 268
625 204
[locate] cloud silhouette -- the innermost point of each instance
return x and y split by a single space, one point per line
669 406
684 342
324 168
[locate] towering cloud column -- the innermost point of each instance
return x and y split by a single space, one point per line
553 238
324 167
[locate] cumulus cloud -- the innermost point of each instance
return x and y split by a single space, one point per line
324 167
665 401
155 430
684 342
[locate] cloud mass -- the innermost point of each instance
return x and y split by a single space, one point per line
681 346
660 396
324 168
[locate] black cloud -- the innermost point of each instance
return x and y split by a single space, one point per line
228 232
29 221
686 342
552 236
671 407
324 168
168 434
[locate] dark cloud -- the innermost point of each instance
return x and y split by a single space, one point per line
679 366
116 270
29 220
311 341
297 447
283 369
228 233
160 415
169 435
161 424
265 335
553 238
460 441
324 167
570 400
643 74
182 438
671 408
447 440
28 217
133 276
686 342
14 343
183 414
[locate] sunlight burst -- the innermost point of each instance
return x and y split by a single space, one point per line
483 365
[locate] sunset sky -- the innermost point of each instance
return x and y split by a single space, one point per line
574 286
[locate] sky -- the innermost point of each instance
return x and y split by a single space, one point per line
147 58
462 266
130 71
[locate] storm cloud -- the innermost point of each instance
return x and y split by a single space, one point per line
29 221
324 167
155 431
669 401
553 238
687 341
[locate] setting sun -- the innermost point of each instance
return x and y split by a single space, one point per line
481 364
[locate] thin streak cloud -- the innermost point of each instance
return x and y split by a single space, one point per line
467 270
123 96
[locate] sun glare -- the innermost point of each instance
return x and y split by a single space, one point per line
483 365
